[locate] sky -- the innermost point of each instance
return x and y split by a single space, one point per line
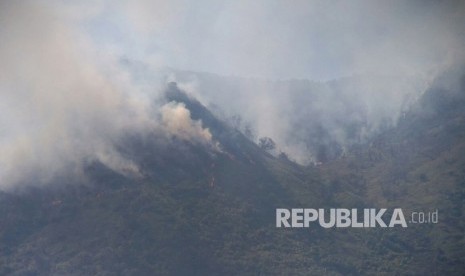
318 40
66 99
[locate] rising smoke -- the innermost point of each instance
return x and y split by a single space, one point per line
66 99
64 104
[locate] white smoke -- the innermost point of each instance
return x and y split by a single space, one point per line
177 122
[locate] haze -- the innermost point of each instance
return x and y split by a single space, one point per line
66 97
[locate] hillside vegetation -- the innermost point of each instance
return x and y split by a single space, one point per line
199 211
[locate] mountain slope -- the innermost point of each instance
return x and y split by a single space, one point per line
418 166
196 210
193 211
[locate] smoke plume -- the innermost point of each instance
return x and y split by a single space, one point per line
64 103
68 95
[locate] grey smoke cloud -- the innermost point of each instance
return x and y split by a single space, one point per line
63 103
65 98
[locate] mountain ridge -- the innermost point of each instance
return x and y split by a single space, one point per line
197 211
